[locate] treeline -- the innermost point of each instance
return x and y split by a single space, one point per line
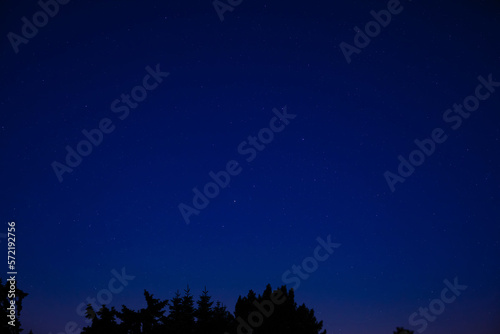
269 313
272 312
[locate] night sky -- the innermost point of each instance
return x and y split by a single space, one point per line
387 145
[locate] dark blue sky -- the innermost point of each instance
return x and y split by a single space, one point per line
322 175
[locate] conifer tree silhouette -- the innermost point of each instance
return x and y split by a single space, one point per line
223 320
187 315
278 310
130 321
204 313
174 319
152 317
5 304
262 316
103 321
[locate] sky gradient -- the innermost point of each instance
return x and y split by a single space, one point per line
320 172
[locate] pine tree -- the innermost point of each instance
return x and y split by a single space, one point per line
187 315
283 317
174 321
204 313
244 304
277 309
152 317
223 321
130 321
104 321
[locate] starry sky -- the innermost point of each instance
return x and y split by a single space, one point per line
314 128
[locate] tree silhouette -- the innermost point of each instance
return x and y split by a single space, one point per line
152 317
222 320
130 321
275 312
103 322
187 315
5 303
174 319
204 313
106 319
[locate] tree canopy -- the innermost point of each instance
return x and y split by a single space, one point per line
272 312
